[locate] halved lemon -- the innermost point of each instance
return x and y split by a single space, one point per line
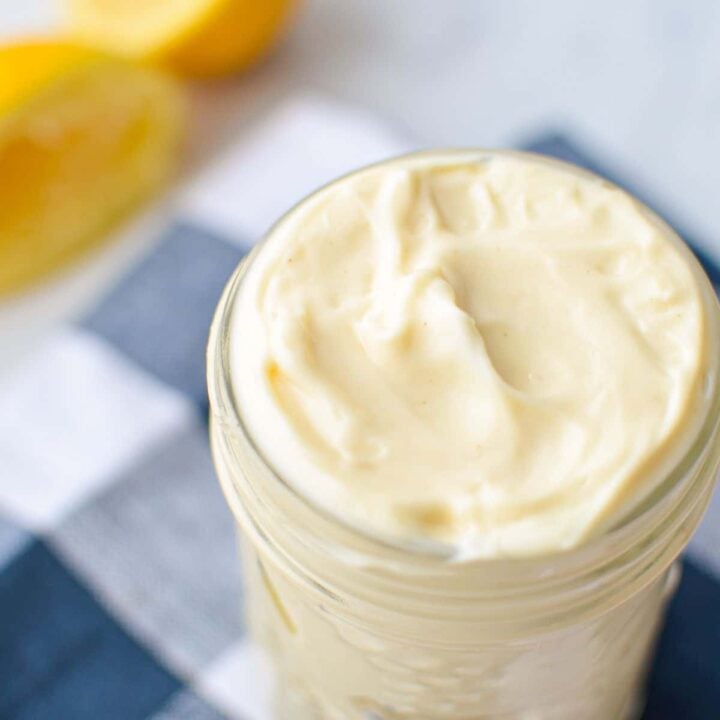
193 37
84 138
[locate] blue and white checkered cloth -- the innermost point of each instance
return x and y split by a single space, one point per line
120 594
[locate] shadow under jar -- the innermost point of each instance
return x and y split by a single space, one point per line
360 629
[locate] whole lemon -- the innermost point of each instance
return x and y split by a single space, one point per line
192 37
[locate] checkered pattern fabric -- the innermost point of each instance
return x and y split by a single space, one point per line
120 595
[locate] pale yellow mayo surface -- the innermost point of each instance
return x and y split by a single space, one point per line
492 352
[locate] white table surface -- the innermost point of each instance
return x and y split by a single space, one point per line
638 80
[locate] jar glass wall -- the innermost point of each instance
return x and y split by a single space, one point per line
360 629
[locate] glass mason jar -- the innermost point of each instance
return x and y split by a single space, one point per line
360 629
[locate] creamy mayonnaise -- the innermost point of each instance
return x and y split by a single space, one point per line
490 352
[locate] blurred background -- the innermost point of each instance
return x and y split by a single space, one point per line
129 190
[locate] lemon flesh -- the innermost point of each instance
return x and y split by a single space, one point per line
83 140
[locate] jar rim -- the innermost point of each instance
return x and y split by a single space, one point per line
637 524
